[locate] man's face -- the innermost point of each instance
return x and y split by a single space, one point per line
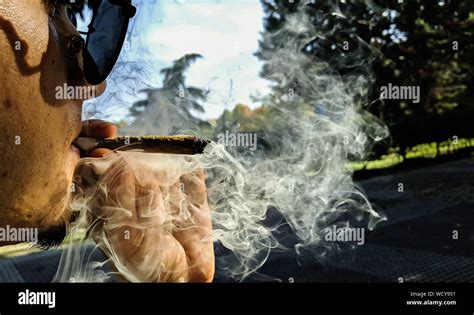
37 127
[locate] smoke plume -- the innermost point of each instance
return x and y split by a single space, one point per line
299 170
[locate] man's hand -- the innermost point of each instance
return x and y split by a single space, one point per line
98 129
153 222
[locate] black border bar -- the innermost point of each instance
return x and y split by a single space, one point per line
243 297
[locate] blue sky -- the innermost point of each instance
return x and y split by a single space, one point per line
224 32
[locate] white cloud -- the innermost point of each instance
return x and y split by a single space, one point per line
225 33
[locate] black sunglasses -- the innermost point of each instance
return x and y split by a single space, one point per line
105 36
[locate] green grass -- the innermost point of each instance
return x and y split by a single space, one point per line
424 150
75 237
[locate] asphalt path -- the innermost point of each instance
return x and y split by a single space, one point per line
428 235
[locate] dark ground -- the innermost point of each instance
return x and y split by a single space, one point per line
416 243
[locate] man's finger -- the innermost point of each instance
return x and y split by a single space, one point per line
100 152
194 229
96 128
194 185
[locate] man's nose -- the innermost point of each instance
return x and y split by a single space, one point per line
98 89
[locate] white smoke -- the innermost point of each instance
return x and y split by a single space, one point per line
299 170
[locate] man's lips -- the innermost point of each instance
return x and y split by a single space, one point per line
75 150
73 147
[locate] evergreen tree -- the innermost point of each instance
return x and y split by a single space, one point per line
422 43
176 99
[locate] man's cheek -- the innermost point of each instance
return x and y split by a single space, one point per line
56 203
50 202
